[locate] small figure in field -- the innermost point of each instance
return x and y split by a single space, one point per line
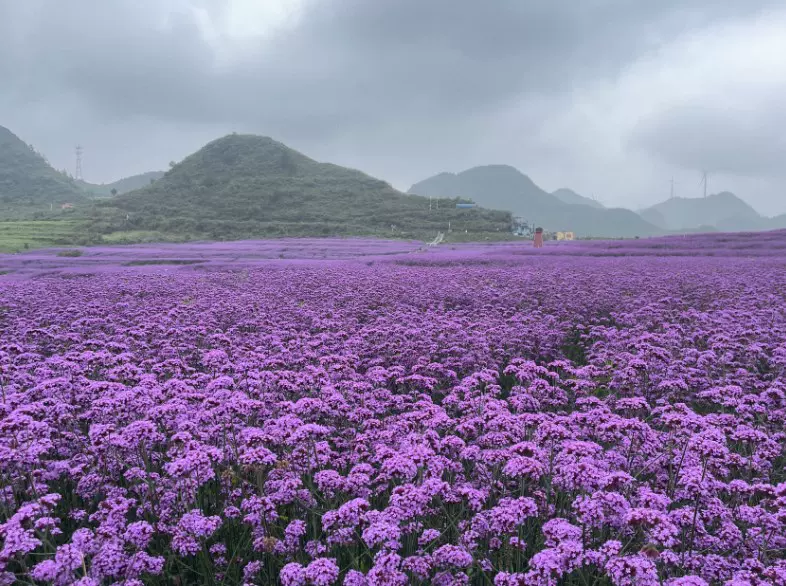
538 241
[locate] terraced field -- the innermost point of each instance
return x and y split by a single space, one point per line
25 234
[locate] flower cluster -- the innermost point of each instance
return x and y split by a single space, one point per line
460 418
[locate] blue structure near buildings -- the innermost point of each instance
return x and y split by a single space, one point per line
521 227
466 205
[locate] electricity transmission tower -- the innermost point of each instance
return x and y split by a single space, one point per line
79 151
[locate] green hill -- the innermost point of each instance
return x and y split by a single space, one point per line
28 184
246 186
506 188
123 185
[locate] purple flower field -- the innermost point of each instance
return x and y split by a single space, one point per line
358 412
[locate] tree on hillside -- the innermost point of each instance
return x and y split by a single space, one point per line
113 192
287 164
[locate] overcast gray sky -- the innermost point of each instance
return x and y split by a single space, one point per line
608 97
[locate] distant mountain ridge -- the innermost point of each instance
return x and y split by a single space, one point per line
246 185
571 197
123 185
506 188
242 186
724 211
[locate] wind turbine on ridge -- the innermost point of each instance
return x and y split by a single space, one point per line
704 182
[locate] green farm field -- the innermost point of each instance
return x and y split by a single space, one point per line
21 235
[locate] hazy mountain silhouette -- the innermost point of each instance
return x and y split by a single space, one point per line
778 222
571 197
724 211
506 188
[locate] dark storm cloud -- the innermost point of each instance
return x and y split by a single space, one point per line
346 63
121 56
400 88
746 142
